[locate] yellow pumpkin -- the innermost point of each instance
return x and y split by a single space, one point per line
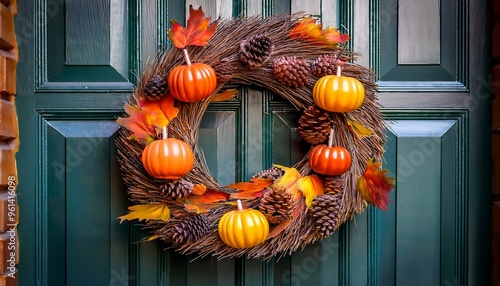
338 93
243 228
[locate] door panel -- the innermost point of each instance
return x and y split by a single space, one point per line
87 58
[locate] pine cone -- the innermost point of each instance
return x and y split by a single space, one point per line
224 70
271 173
314 125
334 184
326 65
190 229
325 211
177 189
155 88
276 205
255 51
291 71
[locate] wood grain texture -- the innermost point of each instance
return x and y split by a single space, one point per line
7 75
8 123
7 36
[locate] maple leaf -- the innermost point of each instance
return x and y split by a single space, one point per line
140 122
225 95
311 186
197 31
161 111
147 212
308 29
374 186
250 190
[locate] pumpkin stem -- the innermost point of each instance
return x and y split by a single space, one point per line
339 70
330 138
164 133
186 57
240 206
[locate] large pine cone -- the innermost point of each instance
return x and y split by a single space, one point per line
177 189
255 51
334 184
271 173
291 71
276 205
326 65
224 70
314 125
325 211
155 88
190 229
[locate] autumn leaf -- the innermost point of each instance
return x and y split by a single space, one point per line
311 186
374 186
199 189
308 29
197 31
147 212
151 238
140 123
250 190
209 197
289 180
225 95
359 129
279 228
161 111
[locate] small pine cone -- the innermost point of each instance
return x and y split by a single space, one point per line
255 51
224 70
276 205
325 211
314 125
177 189
190 229
155 88
334 184
271 173
326 65
291 71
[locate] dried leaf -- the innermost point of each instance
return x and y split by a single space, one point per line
289 181
151 238
197 32
311 186
359 129
374 186
310 30
147 212
199 189
279 228
225 95
209 197
140 122
162 111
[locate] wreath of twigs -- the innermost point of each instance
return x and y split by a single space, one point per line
224 45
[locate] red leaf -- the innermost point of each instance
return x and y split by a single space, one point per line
250 190
197 32
374 186
308 29
140 122
279 228
161 111
209 197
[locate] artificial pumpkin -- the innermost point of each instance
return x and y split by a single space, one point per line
169 158
243 228
192 82
330 160
338 93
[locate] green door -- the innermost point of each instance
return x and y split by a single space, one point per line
78 61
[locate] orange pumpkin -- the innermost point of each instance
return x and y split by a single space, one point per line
331 161
337 93
169 158
192 82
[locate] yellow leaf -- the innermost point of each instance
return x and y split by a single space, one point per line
147 212
199 189
152 237
311 186
225 95
358 128
289 180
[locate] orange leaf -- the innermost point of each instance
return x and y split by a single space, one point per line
359 129
225 95
197 32
308 29
147 212
140 123
289 181
162 111
374 186
209 197
311 186
279 228
250 190
199 189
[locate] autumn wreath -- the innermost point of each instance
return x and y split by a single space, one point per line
280 209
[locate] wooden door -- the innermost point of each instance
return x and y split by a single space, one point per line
78 61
